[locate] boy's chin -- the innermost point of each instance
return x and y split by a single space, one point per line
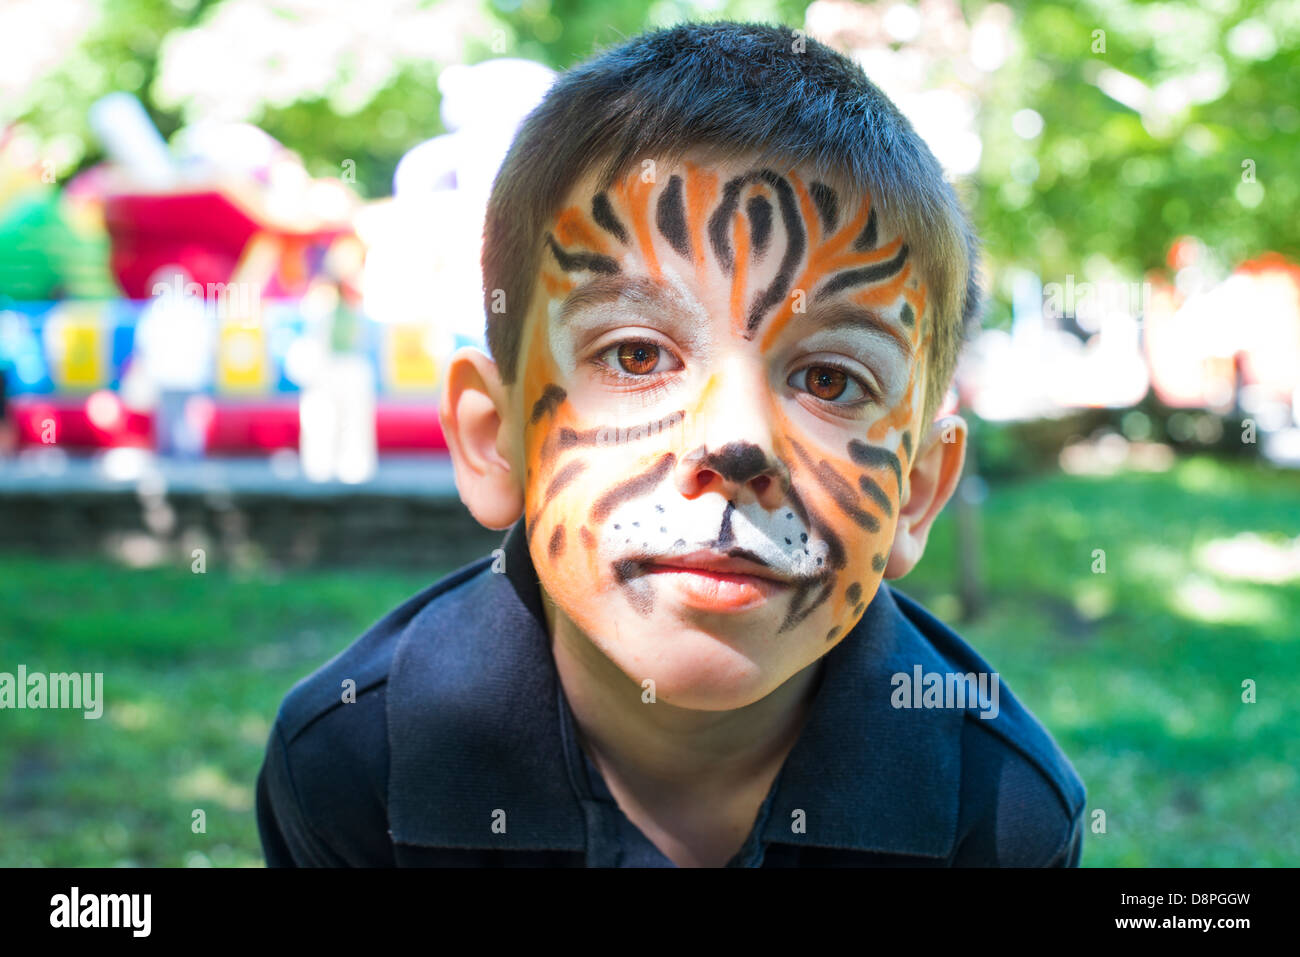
707 666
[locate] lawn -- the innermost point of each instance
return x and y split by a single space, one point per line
1137 671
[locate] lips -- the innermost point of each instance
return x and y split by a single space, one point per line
711 581
706 560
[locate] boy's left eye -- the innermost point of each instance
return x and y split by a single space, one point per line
829 383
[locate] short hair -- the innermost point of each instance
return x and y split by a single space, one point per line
735 89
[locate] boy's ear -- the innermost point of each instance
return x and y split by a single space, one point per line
475 417
933 478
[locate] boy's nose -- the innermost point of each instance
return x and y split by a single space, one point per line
738 470
731 444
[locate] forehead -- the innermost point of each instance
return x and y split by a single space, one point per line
751 239
662 200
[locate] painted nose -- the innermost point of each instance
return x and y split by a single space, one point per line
730 438
737 470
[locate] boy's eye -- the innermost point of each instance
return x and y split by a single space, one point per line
639 357
828 383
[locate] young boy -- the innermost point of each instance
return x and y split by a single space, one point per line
726 286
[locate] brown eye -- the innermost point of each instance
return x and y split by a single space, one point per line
825 382
638 358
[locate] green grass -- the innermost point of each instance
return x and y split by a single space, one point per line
194 668
1137 672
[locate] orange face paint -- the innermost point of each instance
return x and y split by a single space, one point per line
684 475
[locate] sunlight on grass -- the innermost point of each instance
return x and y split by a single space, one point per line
210 783
1253 558
254 729
1200 475
1094 599
1202 599
133 715
1065 707
1156 564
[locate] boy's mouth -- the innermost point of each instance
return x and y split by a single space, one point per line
711 580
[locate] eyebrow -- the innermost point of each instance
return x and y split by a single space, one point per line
644 291
846 314
639 290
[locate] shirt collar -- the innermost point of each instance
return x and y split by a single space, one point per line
476 719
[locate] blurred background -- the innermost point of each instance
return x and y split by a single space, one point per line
240 238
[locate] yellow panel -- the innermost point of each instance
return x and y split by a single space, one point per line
408 362
242 358
80 348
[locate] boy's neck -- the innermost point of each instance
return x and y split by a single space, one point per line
669 753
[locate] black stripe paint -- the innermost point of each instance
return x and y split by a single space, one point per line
760 223
872 489
875 457
863 275
867 238
563 478
603 214
839 489
551 397
797 614
828 206
670 217
725 536
637 485
581 262
736 461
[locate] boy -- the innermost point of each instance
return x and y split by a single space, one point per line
726 286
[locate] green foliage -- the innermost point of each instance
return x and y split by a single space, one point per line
1123 184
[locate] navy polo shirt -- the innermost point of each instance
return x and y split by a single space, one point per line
460 750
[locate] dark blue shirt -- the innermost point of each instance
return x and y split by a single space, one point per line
460 750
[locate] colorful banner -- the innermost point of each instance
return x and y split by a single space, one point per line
80 346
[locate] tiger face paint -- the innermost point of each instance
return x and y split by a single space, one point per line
721 383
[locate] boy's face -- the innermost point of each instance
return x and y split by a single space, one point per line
721 384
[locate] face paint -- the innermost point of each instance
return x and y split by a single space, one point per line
723 367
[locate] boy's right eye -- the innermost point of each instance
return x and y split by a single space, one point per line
638 357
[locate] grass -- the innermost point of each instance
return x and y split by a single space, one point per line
194 668
1136 671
